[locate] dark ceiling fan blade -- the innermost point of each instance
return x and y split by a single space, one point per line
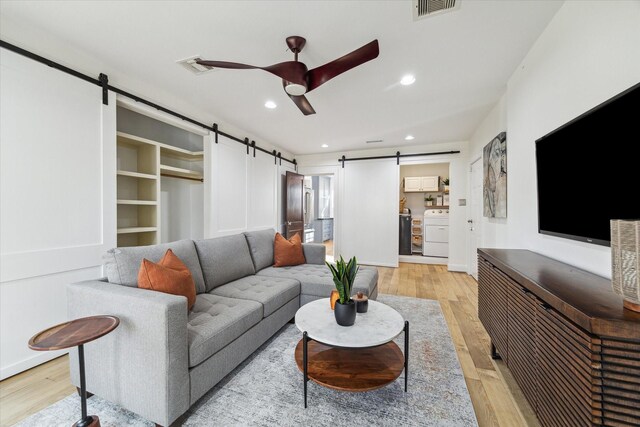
223 64
292 71
326 72
303 104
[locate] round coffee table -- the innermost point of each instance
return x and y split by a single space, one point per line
71 334
356 358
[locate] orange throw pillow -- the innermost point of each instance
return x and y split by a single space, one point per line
287 252
170 276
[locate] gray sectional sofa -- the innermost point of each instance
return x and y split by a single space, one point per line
163 358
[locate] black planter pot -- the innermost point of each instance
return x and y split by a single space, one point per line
345 313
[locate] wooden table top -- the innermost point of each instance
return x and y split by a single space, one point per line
73 333
585 298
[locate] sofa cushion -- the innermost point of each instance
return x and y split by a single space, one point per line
170 276
224 259
271 292
287 251
261 247
122 264
215 322
317 280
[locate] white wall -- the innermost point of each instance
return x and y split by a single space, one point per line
57 198
458 169
586 55
494 231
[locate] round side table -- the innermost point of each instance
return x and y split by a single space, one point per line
71 334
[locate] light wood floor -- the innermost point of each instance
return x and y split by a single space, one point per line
329 247
496 399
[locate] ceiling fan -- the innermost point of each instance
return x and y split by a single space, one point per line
297 79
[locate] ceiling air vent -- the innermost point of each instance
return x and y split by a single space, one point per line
425 8
191 65
374 141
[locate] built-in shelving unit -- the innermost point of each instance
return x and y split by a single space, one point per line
416 235
160 171
138 190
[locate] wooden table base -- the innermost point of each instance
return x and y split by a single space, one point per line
352 369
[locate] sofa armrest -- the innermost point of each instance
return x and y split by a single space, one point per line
143 365
314 253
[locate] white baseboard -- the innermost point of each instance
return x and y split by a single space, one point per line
23 365
377 264
458 267
419 259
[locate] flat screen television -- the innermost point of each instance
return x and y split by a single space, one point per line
588 171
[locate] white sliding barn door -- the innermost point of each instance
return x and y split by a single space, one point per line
263 196
229 183
243 189
369 211
57 198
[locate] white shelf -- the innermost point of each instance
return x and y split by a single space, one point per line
181 153
186 173
137 202
133 140
166 149
129 230
136 174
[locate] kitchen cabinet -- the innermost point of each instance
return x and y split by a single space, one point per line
327 229
421 184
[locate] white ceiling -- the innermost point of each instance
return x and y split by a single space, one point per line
462 61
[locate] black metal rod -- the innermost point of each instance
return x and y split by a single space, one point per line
85 420
305 340
406 354
114 89
394 156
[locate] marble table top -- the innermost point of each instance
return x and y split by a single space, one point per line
379 325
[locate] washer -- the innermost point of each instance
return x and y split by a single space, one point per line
436 233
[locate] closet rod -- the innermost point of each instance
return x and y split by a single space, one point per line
182 177
98 82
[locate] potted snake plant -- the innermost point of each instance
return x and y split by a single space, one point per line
344 275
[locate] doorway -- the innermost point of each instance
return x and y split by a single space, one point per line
318 209
424 212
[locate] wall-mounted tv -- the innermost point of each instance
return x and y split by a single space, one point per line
588 171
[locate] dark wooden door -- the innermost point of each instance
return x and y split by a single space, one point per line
294 215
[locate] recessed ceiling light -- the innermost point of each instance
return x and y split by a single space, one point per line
324 146
409 137
270 105
407 80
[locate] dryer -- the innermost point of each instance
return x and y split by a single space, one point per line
436 233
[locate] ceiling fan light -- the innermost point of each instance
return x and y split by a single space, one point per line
407 80
295 89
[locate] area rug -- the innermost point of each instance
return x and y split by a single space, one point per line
266 390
